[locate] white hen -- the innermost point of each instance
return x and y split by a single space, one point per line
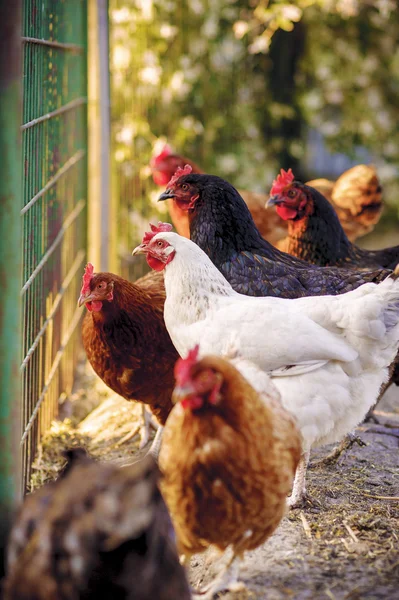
328 356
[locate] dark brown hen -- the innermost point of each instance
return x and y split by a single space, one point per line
97 532
315 233
125 337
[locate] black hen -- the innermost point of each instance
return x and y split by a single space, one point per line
221 224
97 532
315 233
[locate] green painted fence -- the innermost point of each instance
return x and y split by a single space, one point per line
10 261
54 137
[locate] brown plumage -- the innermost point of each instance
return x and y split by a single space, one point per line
356 196
357 199
228 457
126 341
97 532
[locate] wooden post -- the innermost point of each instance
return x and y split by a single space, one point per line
101 217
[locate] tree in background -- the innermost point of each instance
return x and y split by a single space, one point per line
237 85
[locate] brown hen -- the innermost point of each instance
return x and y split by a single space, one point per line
356 196
125 337
97 532
229 455
357 199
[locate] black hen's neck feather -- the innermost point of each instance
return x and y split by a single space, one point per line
320 238
222 226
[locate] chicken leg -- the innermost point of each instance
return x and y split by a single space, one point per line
143 428
226 580
156 444
147 422
298 494
346 444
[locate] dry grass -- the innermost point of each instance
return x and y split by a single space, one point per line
95 419
49 460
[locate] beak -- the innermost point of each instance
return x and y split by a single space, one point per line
167 194
83 299
182 391
273 201
141 249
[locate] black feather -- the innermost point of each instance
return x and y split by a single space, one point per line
221 224
319 238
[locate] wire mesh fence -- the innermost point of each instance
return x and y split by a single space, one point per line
54 212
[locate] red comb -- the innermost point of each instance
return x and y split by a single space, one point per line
183 365
179 173
87 277
282 181
156 229
165 152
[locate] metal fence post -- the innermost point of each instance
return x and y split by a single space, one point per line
10 262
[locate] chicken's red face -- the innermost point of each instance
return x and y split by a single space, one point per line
159 252
96 289
291 204
196 385
182 189
289 197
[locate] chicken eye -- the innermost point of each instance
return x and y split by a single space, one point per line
291 193
160 244
101 285
184 186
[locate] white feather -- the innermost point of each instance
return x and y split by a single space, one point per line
328 356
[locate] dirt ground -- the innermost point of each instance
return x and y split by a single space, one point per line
343 545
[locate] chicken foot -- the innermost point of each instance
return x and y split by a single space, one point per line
298 494
143 429
226 580
156 444
346 444
147 422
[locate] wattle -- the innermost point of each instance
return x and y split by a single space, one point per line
94 305
285 212
192 402
183 205
155 263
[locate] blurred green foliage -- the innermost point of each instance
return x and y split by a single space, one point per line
236 85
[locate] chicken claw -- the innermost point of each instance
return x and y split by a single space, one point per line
346 444
143 429
128 436
226 580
